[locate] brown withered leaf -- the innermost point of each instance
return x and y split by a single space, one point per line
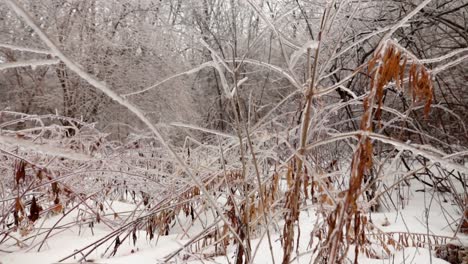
134 237
16 218
150 231
40 175
20 171
117 245
55 188
34 210
19 207
58 208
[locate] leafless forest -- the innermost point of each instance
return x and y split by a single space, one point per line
233 131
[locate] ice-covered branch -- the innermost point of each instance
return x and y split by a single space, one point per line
406 19
444 57
422 150
30 63
43 148
13 47
192 71
449 65
275 68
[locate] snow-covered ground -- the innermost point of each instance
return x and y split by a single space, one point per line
66 241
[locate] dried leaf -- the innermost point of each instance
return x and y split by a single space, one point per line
20 171
134 236
34 210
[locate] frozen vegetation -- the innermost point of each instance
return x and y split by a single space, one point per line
233 131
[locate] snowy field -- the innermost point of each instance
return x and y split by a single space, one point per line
70 236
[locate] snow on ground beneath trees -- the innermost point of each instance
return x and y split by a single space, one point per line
411 219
